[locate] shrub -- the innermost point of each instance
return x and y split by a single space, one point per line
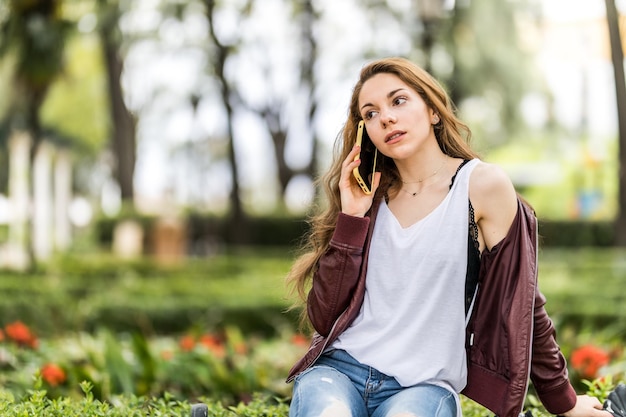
111 375
576 233
39 404
225 365
84 293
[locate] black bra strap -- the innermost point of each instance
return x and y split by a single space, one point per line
465 161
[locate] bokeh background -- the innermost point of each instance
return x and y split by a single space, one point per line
158 159
232 107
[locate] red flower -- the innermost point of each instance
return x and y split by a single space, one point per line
299 340
53 374
587 360
187 343
213 344
21 334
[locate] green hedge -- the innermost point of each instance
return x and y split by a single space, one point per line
87 292
574 233
246 288
260 231
210 231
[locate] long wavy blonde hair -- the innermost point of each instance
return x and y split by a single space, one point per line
452 136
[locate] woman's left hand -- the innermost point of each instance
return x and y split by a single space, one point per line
587 406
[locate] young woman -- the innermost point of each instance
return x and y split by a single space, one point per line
427 287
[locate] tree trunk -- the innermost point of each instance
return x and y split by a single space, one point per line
123 141
617 56
279 139
310 55
238 229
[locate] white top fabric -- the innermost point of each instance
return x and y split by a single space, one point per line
412 322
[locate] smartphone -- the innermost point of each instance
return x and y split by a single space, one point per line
364 173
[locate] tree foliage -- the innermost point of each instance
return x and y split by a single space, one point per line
33 39
491 66
76 105
286 73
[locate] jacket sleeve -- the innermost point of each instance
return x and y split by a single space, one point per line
337 273
548 367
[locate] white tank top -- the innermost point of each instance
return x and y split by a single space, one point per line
412 322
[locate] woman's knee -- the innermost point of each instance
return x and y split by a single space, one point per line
336 408
320 379
419 401
323 391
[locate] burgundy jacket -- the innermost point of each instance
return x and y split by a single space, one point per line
509 337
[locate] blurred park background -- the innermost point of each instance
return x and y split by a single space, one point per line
157 160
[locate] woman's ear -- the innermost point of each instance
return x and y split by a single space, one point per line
434 116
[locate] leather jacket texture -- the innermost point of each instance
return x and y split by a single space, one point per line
509 337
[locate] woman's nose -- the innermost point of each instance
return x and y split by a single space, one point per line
387 116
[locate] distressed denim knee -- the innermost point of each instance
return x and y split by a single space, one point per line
322 391
423 400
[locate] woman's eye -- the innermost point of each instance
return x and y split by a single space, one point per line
369 115
399 100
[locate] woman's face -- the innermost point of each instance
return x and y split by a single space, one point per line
396 117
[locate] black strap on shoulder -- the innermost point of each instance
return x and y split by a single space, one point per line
473 260
473 250
465 161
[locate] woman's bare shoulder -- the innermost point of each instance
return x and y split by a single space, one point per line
488 179
494 199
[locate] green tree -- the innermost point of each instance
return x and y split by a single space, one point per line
33 40
489 64
457 46
274 110
474 48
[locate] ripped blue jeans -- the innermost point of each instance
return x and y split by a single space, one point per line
339 386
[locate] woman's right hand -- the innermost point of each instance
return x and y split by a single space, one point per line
354 201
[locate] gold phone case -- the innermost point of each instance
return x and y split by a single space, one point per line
359 178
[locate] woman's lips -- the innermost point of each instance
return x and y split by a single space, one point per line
394 136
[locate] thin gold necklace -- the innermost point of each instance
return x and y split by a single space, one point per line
419 180
420 191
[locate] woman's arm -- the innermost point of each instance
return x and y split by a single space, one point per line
338 272
495 203
549 372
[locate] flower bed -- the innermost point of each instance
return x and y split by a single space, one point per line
225 365
93 336
109 375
